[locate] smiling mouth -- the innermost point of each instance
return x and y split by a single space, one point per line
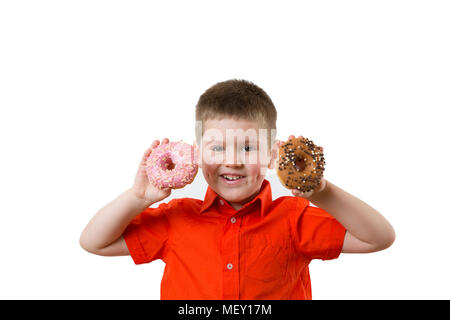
232 177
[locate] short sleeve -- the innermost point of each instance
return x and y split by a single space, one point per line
317 233
147 235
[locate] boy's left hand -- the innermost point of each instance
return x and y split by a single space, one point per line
320 188
322 185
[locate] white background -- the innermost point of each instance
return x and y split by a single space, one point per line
86 86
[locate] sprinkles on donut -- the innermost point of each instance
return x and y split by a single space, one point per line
171 165
300 164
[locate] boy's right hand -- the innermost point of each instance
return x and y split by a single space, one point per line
142 188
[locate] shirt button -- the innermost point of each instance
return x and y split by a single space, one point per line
233 220
229 266
221 202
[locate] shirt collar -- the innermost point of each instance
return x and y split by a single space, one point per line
264 198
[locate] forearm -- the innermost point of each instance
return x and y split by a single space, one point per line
110 222
360 219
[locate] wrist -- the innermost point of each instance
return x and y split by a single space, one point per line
321 192
138 200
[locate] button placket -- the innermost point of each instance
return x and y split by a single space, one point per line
230 258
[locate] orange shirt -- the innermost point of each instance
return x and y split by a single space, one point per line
212 251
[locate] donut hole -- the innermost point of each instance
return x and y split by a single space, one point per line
300 164
167 163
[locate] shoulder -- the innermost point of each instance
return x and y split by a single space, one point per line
299 210
181 205
291 204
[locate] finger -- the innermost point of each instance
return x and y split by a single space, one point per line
155 144
277 143
148 151
322 185
145 155
301 137
291 137
165 140
166 190
302 194
306 194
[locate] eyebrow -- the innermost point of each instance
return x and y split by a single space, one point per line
246 140
210 141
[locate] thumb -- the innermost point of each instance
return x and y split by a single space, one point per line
166 191
322 185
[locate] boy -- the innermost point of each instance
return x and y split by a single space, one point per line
237 243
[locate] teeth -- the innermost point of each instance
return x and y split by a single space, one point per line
232 178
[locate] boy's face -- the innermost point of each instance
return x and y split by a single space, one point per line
234 157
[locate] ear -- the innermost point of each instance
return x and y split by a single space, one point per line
274 154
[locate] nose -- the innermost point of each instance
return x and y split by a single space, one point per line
232 159
234 165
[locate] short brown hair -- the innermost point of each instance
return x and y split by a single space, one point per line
237 99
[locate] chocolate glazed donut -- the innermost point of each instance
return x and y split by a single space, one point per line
300 164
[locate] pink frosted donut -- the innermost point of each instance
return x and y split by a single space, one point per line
171 165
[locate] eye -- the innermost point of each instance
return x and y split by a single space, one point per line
248 148
217 148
